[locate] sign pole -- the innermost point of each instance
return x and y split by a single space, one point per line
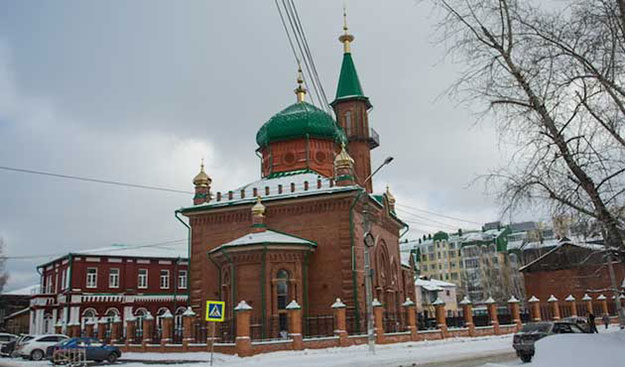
212 341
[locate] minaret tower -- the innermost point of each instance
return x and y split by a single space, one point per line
351 107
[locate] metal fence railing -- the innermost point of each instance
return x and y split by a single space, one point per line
318 326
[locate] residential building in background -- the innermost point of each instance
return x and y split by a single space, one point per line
14 312
121 281
428 290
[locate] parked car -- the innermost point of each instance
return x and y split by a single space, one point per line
523 341
6 338
95 350
35 347
582 322
9 349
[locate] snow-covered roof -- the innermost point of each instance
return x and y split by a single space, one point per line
317 184
559 244
266 237
433 284
26 291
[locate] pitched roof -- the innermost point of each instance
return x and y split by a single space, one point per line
433 284
563 243
349 84
266 237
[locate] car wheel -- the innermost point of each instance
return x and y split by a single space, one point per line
526 357
112 358
36 355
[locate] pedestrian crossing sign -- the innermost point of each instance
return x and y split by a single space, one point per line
215 311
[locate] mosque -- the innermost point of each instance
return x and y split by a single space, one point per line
298 232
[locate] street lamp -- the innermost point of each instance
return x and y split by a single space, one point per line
370 242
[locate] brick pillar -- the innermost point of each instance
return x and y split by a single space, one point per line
378 321
187 327
515 311
131 328
467 311
491 306
116 331
555 307
604 304
243 342
340 322
74 329
89 326
148 329
410 308
441 317
588 301
58 327
102 328
168 328
572 305
294 311
534 308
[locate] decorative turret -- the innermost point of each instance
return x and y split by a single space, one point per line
300 91
390 198
202 185
258 216
351 108
344 168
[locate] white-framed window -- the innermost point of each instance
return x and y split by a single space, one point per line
164 279
66 278
56 281
114 278
143 278
49 284
63 274
92 277
182 279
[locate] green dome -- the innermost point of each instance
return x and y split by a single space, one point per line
298 121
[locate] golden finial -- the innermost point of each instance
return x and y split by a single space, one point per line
258 209
345 38
300 91
343 159
202 179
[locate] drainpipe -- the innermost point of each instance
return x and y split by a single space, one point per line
263 283
353 250
406 229
233 277
189 233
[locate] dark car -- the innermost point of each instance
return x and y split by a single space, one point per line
524 340
9 349
95 350
4 340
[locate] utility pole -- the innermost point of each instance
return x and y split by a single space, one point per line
369 243
615 291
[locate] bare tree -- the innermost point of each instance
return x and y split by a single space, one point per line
554 79
4 275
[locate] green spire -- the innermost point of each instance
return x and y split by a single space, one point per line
349 84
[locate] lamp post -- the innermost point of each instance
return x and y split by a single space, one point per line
369 242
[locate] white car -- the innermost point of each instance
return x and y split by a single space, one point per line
35 348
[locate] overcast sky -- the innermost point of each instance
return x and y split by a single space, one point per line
139 91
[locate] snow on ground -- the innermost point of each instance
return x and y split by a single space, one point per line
407 354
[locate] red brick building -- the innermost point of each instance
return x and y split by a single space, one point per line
304 240
120 281
571 269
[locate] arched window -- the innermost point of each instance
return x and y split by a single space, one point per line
48 325
159 317
88 315
178 321
348 123
140 314
282 297
111 313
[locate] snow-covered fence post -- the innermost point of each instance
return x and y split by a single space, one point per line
116 330
572 305
491 307
294 311
555 307
148 328
58 327
604 304
588 301
102 324
515 311
410 308
243 342
74 329
534 308
378 321
187 327
89 325
441 317
340 322
167 320
131 329
467 311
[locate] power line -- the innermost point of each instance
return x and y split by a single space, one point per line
89 179
95 251
440 215
428 220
